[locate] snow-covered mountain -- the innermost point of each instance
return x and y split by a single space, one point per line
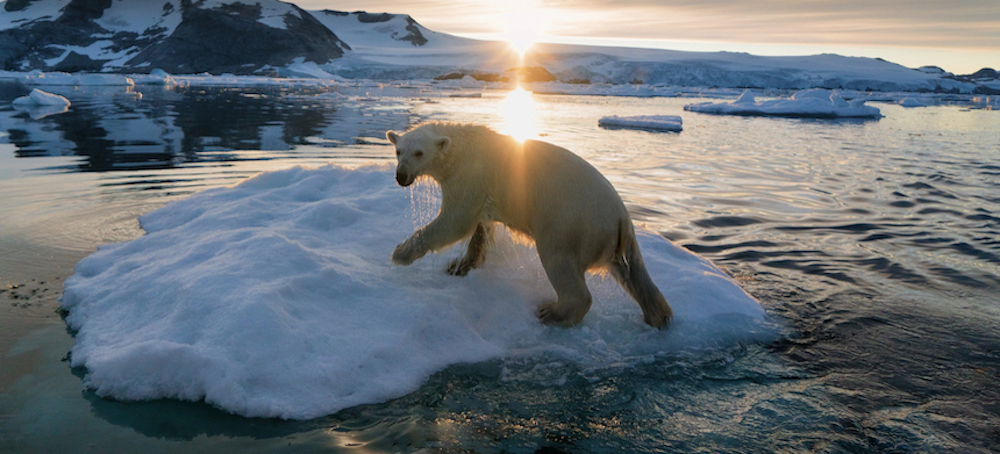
270 36
182 36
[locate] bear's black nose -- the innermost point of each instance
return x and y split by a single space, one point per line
402 178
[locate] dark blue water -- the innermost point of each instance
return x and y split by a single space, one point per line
874 244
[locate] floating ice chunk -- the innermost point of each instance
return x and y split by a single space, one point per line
655 122
60 78
41 104
746 98
41 98
813 103
470 82
913 102
155 77
276 298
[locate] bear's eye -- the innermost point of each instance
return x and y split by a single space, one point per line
397 152
419 154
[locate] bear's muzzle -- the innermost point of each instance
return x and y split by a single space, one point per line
403 178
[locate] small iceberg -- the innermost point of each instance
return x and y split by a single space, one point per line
653 122
276 298
40 104
813 103
41 98
913 102
155 77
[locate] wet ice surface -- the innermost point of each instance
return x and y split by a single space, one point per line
871 242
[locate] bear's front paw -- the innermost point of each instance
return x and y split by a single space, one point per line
549 314
405 254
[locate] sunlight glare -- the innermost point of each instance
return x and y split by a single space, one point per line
518 113
523 25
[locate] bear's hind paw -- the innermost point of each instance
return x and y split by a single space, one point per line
460 267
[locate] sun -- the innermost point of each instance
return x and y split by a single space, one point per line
523 25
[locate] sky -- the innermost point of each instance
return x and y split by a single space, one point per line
959 36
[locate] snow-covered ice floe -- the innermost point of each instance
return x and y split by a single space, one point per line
41 98
813 103
39 78
654 122
155 77
40 104
276 298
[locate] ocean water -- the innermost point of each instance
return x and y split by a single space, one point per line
871 245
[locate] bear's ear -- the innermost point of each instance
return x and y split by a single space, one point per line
442 143
392 136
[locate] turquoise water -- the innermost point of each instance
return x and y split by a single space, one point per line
872 243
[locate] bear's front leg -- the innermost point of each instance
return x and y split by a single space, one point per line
458 218
410 250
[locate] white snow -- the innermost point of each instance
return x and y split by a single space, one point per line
656 122
301 68
276 298
814 103
385 35
142 17
48 10
272 12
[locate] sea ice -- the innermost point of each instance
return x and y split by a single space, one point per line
41 98
41 104
77 79
813 103
657 122
155 77
276 298
913 102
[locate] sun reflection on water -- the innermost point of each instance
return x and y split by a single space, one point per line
518 113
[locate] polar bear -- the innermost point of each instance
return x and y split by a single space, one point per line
575 217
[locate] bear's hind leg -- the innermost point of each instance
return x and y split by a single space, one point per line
476 252
569 281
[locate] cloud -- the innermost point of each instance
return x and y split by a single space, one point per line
974 23
912 23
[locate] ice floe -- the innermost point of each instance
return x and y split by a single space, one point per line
41 98
276 298
813 103
36 78
155 77
655 122
40 104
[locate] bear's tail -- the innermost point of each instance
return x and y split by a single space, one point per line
629 270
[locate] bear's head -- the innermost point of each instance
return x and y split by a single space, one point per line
416 152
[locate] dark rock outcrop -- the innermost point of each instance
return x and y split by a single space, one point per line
231 39
225 38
